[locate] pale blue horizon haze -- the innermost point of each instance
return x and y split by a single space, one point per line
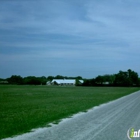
71 38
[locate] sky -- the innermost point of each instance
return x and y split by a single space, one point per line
69 37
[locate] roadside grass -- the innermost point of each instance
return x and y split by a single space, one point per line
25 107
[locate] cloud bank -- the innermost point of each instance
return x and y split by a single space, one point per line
70 38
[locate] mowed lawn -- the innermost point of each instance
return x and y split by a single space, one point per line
25 107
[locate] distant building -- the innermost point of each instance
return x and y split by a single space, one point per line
64 82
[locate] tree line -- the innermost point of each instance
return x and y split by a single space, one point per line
122 78
32 80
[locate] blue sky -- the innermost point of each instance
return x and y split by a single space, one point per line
71 38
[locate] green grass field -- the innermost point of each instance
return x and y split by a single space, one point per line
25 107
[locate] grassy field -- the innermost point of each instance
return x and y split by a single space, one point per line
25 107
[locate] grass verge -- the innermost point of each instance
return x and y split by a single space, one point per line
25 107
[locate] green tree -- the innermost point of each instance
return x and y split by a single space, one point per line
15 79
42 80
59 77
32 80
99 79
133 78
87 82
128 78
50 78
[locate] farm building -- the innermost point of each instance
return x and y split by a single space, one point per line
64 82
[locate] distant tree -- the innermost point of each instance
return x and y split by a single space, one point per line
89 82
121 79
99 79
86 82
79 77
112 79
15 79
50 78
107 78
32 80
77 82
128 78
59 77
42 80
92 82
133 78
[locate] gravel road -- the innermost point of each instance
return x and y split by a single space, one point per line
109 121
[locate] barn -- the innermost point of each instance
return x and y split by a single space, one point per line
63 81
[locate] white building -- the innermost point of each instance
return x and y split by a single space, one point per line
63 81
